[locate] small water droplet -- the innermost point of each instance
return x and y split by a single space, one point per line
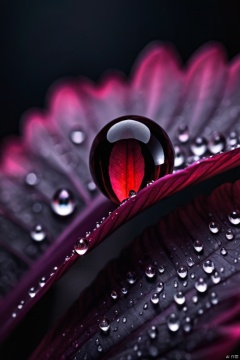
131 302
179 158
81 246
150 271
131 277
104 325
234 217
175 283
152 332
195 299
229 235
173 322
183 133
232 138
216 143
31 179
63 203
198 246
201 285
215 277
114 295
77 137
192 276
91 186
145 306
132 193
124 291
182 272
199 146
42 282
179 298
14 315
155 298
32 292
38 234
160 287
190 261
124 320
223 251
161 269
208 266
99 348
214 227
214 298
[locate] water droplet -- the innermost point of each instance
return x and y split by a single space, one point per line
192 276
199 146
214 227
208 266
114 295
183 133
179 298
173 322
179 158
32 292
160 287
145 306
124 291
195 299
150 271
131 277
161 269
14 315
81 246
155 298
182 272
233 138
77 137
198 246
38 234
201 285
124 320
152 332
216 143
229 235
42 282
223 251
190 261
132 193
134 134
215 277
214 298
175 283
99 348
234 217
63 203
104 325
131 302
31 179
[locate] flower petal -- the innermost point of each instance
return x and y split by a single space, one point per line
168 293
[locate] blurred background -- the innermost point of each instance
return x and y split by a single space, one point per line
44 40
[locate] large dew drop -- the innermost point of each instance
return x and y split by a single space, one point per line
173 322
150 271
63 203
155 298
214 227
127 154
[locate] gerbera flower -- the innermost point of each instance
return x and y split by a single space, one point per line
173 293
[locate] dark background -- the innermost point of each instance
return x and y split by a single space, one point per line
44 40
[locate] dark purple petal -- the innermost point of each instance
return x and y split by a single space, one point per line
173 294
